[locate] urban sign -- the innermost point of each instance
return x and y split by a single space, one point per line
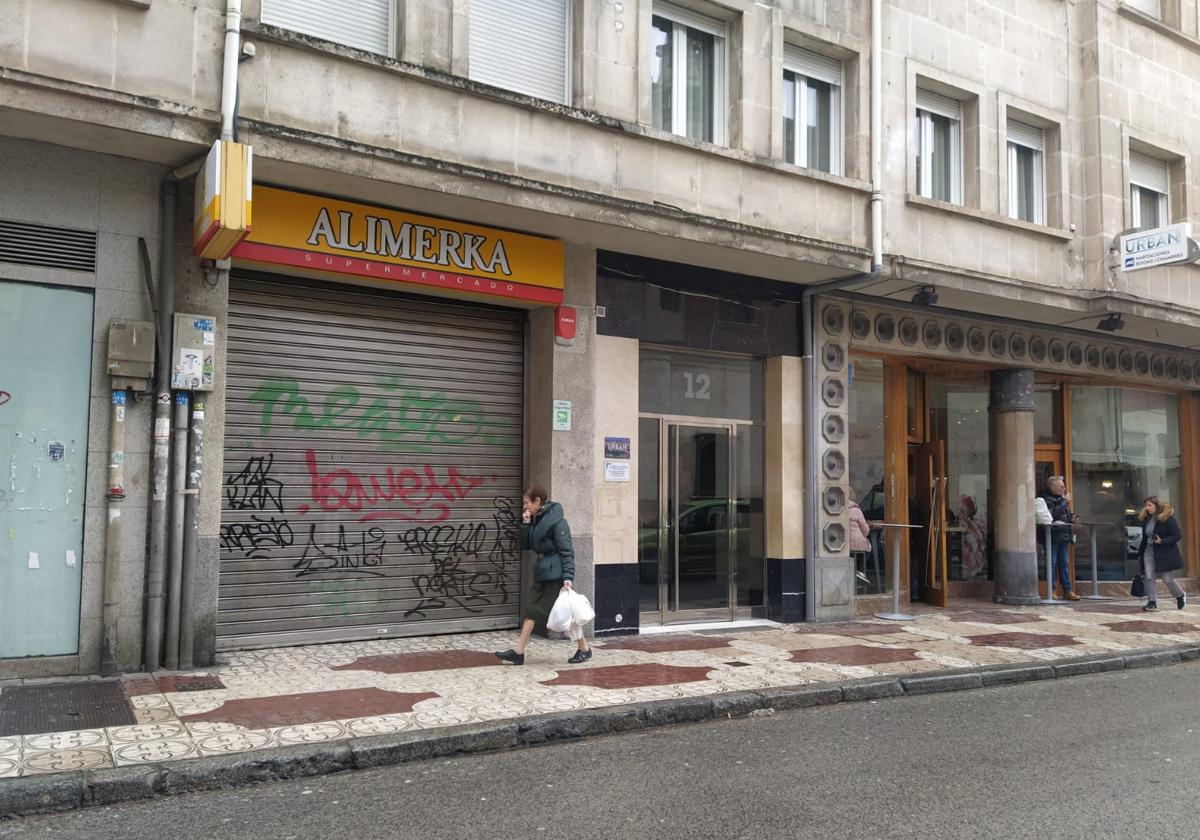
1158 246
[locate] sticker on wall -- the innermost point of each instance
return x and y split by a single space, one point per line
55 450
209 338
617 447
33 560
70 558
562 416
616 470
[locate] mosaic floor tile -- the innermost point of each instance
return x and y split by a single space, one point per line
83 739
1024 641
1111 609
146 732
234 742
672 643
851 628
145 752
630 676
312 707
1159 628
997 617
408 663
9 767
9 746
60 761
380 725
854 655
311 733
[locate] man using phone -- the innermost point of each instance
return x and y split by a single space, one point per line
1058 502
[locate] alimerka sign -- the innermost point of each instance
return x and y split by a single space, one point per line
329 236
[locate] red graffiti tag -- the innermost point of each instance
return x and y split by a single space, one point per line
412 495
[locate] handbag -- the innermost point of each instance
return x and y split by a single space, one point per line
1138 588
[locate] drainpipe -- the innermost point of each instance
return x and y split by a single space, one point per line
179 434
812 443
191 525
156 564
110 662
229 74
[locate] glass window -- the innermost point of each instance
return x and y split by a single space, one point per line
1149 207
866 415
958 414
689 49
1047 414
939 147
700 385
1149 183
812 110
1026 175
1124 447
1150 7
750 551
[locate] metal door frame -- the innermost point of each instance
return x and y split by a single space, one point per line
664 615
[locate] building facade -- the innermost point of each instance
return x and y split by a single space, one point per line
603 246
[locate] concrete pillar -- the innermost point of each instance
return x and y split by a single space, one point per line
785 488
1012 487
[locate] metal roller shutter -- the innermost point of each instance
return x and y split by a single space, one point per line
373 465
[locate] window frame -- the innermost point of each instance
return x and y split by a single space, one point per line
681 20
929 105
568 58
1139 184
1025 139
802 69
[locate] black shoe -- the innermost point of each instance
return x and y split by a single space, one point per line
1182 600
580 656
512 656
1151 607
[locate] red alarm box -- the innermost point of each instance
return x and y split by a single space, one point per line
564 326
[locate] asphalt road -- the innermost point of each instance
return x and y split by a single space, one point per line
1107 756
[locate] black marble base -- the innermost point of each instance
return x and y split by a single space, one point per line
785 590
617 594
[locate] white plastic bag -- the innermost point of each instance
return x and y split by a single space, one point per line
570 613
561 615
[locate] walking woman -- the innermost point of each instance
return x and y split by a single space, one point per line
1159 553
545 531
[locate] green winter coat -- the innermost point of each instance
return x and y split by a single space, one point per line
550 536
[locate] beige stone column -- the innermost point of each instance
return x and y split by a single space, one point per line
784 473
1012 486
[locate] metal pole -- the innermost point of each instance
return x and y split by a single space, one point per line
896 532
1050 600
187 623
110 662
178 459
1095 596
156 562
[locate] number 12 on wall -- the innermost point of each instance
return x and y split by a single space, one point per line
697 386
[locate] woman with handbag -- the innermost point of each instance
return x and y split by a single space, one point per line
544 530
1159 553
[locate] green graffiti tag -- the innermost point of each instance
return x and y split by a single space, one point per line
401 418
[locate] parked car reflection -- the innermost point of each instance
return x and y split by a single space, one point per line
702 530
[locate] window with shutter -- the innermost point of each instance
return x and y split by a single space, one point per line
364 24
939 147
812 112
1149 185
1026 172
522 47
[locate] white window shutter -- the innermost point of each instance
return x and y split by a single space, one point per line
695 20
521 47
1027 135
364 24
814 65
1149 172
935 103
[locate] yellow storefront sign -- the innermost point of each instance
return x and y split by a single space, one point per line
223 192
325 235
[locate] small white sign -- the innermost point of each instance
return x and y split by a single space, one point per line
1160 246
616 470
33 560
70 558
562 416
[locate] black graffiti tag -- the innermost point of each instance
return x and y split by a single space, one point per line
258 537
253 488
505 552
360 554
446 547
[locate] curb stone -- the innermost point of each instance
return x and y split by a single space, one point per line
43 794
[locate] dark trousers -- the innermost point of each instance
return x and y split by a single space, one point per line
1061 551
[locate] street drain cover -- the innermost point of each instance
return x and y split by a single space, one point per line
34 709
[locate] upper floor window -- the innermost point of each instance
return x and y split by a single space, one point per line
365 24
687 73
1026 172
812 110
521 47
1149 7
939 147
1149 185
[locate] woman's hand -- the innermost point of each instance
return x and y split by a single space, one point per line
1157 539
567 585
526 517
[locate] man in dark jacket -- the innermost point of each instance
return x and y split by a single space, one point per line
1058 502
